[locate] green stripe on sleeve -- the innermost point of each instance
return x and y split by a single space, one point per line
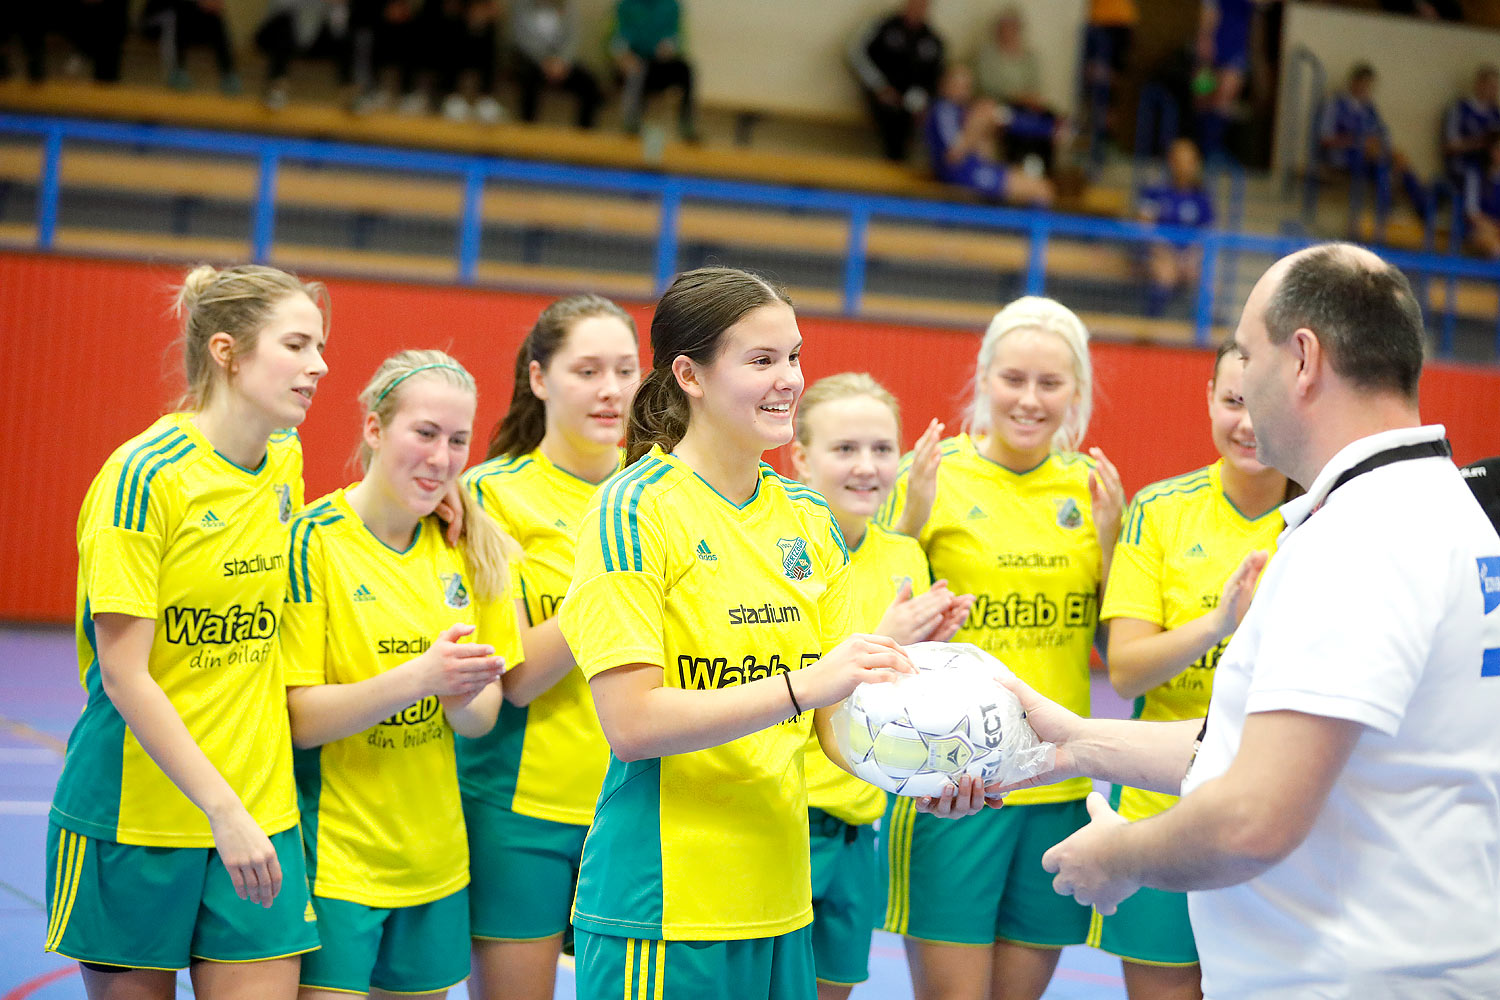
128 469
636 562
161 463
612 516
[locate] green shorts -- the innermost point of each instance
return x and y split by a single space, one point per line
406 949
774 968
523 873
979 880
98 891
844 896
1150 927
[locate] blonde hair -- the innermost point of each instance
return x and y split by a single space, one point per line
237 301
486 547
844 385
1036 313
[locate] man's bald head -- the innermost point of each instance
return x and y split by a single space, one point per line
1361 308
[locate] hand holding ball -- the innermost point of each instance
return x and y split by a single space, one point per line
918 734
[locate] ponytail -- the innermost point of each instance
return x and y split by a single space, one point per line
487 550
525 423
658 414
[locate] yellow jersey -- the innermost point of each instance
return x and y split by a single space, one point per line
709 845
1023 543
1180 540
545 759
877 565
173 531
381 817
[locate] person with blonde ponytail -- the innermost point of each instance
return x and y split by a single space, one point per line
394 640
847 448
172 840
1011 513
709 610
530 784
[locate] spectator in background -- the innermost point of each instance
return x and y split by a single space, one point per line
544 34
390 36
97 28
961 134
466 43
1184 202
1007 72
1223 50
27 22
1354 140
182 24
315 29
648 53
897 60
1468 125
1106 54
1482 204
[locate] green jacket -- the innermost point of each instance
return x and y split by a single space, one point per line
642 25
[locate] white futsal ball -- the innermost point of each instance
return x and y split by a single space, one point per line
920 733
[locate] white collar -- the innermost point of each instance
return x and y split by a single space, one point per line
1294 512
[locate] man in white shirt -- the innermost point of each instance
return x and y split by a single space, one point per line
1339 830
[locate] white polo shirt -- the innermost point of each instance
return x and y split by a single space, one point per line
1382 607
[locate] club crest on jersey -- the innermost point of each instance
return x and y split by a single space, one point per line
1068 514
794 561
283 502
455 594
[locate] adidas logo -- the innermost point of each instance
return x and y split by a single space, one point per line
363 594
1196 552
560 523
704 552
975 513
210 520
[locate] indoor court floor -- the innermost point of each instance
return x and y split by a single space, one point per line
39 699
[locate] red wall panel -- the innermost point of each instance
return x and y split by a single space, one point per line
87 361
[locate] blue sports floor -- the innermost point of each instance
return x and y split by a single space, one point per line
40 698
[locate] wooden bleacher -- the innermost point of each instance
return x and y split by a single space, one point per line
371 192
152 105
385 194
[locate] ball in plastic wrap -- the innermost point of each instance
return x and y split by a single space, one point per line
920 733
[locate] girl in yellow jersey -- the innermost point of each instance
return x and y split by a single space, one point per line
172 840
1013 515
379 680
847 448
709 610
529 786
1171 614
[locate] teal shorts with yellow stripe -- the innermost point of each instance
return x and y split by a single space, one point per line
774 968
1150 927
97 891
979 879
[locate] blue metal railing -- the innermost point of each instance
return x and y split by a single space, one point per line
670 192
